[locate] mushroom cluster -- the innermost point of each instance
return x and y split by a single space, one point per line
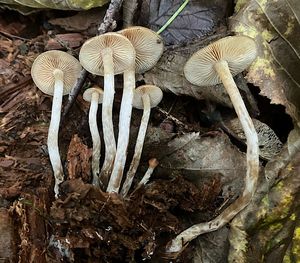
130 51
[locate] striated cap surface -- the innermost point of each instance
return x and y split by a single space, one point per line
122 50
238 51
154 93
87 95
148 46
46 63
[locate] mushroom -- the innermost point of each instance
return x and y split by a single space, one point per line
94 95
216 63
149 48
55 73
145 97
107 55
152 165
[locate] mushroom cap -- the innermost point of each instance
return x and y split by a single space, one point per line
87 95
154 93
44 65
122 51
238 51
148 46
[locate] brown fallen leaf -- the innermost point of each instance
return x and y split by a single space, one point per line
60 41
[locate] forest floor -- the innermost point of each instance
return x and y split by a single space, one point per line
85 224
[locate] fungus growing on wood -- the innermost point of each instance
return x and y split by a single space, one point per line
216 63
149 48
145 97
94 95
55 73
107 55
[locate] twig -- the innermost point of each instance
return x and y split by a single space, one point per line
108 21
74 93
108 24
171 117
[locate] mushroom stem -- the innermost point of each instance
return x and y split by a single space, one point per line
124 129
138 146
252 167
54 128
107 106
152 165
95 137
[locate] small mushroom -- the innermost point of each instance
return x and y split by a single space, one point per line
145 97
216 63
149 48
94 95
55 73
153 163
107 55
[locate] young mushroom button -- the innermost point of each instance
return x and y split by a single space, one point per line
149 48
107 55
145 97
217 63
55 73
94 96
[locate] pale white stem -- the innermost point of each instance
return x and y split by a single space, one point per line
95 137
107 123
54 128
252 167
138 146
124 129
152 165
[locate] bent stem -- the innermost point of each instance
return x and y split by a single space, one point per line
124 129
95 137
230 212
52 140
107 106
138 146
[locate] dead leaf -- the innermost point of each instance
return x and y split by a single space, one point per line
199 18
61 5
275 27
81 22
199 158
60 41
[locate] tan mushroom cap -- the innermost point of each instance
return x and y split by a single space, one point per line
154 93
123 53
148 46
87 95
238 51
44 65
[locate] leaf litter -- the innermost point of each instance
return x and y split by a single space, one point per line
200 170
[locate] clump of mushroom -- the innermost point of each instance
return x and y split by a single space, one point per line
55 73
145 97
94 95
107 55
216 63
149 48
